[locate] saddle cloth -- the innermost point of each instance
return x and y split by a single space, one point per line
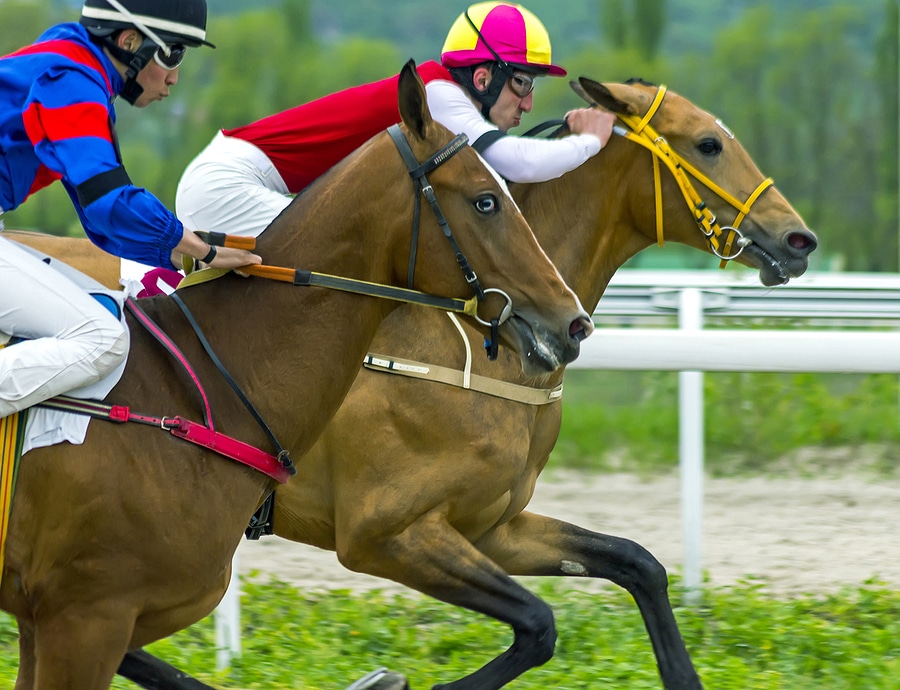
48 427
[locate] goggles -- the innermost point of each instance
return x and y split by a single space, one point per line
173 59
521 84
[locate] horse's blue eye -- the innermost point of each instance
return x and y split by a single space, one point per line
487 204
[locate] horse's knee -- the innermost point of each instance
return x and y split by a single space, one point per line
536 634
641 569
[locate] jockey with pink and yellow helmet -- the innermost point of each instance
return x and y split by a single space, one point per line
495 51
509 38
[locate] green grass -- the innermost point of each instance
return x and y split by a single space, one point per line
754 423
741 638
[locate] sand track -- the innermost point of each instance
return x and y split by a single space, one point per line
811 535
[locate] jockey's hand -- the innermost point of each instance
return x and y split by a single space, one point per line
592 121
228 257
217 257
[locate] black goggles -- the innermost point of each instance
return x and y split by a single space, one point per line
521 84
173 59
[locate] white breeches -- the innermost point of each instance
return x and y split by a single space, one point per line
73 341
231 187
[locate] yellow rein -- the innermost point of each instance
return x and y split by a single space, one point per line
643 134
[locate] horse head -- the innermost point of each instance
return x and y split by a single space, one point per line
439 209
724 189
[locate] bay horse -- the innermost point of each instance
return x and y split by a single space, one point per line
129 537
474 457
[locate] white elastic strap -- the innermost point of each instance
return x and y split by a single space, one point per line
174 27
467 372
139 24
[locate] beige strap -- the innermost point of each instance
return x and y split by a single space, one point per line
455 377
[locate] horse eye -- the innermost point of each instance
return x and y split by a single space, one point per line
487 204
710 147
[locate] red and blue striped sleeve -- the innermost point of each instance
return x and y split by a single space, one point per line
70 124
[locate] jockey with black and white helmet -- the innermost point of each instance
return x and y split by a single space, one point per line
168 28
57 122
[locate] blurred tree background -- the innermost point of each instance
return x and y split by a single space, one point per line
809 86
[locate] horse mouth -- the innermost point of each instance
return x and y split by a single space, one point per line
780 258
771 272
540 354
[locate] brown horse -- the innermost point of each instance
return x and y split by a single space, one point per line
474 458
129 537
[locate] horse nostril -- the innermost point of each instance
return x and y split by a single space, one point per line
802 242
581 328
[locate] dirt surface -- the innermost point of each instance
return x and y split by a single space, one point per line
794 535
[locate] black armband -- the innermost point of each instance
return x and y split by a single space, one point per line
99 185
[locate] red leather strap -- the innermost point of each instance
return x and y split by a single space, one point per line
232 448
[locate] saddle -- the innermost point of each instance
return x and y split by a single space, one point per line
47 427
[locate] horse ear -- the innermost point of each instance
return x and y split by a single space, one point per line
576 87
596 93
411 99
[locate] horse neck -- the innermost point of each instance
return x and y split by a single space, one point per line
584 220
329 229
301 347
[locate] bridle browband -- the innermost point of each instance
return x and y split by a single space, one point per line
722 240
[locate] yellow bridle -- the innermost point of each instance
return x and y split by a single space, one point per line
722 241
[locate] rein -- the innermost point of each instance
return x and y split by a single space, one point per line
417 172
302 278
733 243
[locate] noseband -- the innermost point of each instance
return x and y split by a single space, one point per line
725 242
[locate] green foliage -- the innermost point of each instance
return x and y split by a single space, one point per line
23 21
809 86
740 638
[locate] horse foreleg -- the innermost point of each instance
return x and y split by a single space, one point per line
532 544
79 647
433 558
155 674
25 676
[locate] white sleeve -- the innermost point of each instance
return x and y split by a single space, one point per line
518 159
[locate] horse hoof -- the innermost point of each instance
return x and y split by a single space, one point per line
380 679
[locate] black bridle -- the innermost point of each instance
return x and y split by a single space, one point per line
417 172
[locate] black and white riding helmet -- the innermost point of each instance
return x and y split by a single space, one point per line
168 28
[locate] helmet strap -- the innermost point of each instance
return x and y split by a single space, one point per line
134 63
465 76
139 25
488 97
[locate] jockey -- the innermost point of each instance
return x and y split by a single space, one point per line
57 122
492 56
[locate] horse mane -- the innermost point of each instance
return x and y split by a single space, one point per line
638 80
